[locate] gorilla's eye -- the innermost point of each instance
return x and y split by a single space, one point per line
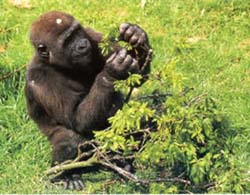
42 48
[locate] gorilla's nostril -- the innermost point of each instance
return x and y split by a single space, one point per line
82 45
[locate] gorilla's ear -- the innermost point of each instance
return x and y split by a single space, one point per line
43 52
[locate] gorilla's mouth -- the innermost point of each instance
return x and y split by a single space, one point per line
82 57
81 52
77 54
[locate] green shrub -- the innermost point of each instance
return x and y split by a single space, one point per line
184 137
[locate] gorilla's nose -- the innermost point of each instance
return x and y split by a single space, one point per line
82 45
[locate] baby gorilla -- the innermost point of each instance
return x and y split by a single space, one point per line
70 84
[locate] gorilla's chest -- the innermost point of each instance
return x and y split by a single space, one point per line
66 95
73 91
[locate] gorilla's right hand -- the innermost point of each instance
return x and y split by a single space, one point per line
120 64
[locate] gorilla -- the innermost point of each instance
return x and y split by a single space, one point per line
70 85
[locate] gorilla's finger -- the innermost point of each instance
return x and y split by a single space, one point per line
127 61
65 185
62 184
121 55
122 52
78 184
123 27
129 32
140 42
134 67
81 184
133 40
111 58
70 185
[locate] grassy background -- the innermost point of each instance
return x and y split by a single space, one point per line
210 40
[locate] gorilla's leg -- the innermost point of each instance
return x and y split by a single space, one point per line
65 147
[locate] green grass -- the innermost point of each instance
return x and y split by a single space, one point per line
210 40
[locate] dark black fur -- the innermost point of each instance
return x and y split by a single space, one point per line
69 87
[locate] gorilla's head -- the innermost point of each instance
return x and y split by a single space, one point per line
61 40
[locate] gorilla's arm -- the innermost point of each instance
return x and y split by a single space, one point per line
102 101
95 108
57 103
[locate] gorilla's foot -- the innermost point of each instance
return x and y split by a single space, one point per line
70 182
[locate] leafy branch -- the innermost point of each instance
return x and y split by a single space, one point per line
96 156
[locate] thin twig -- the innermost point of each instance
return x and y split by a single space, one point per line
116 157
195 99
129 94
124 173
147 131
175 179
86 143
14 72
84 155
205 186
134 178
145 64
73 165
158 95
186 90
148 59
107 183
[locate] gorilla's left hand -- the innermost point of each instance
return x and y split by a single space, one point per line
134 35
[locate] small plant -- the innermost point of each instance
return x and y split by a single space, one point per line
183 137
